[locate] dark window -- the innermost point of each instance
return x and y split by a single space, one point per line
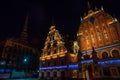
48 74
48 64
115 54
55 51
15 50
55 74
55 63
104 55
48 52
48 46
62 74
106 72
42 75
62 62
42 64
119 70
86 56
55 43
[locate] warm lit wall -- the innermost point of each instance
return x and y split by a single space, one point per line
98 30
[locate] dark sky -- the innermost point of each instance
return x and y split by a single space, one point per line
66 15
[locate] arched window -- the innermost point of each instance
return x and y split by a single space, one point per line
86 56
104 55
115 53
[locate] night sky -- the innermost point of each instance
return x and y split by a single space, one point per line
66 14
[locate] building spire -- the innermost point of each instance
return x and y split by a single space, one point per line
102 8
88 4
24 34
26 23
53 22
89 7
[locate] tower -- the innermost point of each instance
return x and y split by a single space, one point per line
18 54
24 34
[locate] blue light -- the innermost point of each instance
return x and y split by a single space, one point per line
54 67
84 61
3 63
7 70
25 60
2 70
109 62
73 66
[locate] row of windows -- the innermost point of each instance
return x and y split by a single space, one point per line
14 49
54 51
54 74
115 54
111 72
53 63
98 35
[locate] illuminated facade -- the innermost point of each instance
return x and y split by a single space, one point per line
53 60
100 31
17 54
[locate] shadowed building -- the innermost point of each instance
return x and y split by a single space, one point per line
18 54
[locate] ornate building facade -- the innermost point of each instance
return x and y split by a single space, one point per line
53 59
99 33
17 54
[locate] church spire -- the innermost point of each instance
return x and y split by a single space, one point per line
89 7
88 4
102 8
53 22
24 34
26 23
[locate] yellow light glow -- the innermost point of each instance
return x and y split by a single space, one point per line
61 55
90 14
48 57
113 21
72 55
54 56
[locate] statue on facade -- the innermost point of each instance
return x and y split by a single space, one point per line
75 47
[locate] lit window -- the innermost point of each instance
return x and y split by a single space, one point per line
96 26
98 34
103 24
105 33
92 38
91 29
